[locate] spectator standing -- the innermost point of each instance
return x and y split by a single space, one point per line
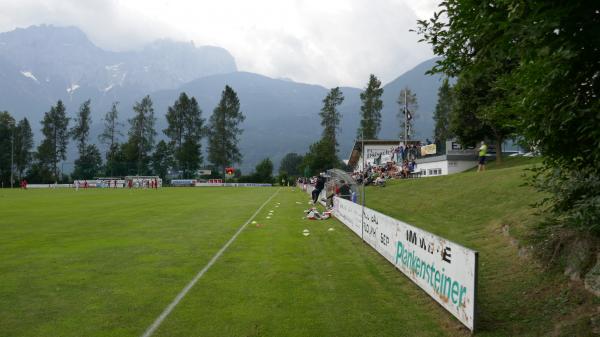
412 166
319 185
482 156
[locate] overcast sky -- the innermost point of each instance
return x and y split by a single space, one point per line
328 42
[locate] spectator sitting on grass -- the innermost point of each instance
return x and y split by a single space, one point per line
405 169
380 181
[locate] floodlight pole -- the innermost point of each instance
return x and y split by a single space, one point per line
12 155
405 118
362 212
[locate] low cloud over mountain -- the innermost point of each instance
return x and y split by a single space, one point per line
42 64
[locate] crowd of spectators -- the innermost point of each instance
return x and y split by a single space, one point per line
400 163
379 174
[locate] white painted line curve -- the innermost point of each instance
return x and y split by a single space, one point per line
158 321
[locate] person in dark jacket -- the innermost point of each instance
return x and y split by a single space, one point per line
345 192
319 185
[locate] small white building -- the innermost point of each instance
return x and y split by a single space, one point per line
453 160
449 159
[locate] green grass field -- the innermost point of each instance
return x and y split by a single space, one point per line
108 262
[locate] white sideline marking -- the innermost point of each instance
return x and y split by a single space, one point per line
152 328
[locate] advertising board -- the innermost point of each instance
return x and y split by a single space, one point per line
445 270
428 149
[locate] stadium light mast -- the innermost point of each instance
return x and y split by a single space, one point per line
405 118
12 152
362 212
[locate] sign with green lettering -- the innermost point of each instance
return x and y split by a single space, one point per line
445 270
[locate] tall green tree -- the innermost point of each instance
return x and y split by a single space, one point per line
141 136
110 137
330 116
162 159
89 161
264 172
186 129
442 112
408 106
370 110
480 101
224 131
53 147
532 70
322 155
23 147
290 165
80 132
7 132
320 158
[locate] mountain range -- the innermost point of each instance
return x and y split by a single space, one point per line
41 64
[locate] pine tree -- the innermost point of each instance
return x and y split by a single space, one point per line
320 157
53 148
290 164
370 111
263 172
441 115
185 129
162 159
89 161
224 131
330 118
141 135
7 132
88 164
407 101
23 147
81 130
110 137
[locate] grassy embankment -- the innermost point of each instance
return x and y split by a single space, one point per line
491 212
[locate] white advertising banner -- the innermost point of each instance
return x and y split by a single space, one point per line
443 269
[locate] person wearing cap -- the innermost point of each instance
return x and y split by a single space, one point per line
482 154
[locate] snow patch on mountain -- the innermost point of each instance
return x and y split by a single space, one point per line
72 88
114 67
108 88
28 74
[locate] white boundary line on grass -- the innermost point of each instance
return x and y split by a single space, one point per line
152 328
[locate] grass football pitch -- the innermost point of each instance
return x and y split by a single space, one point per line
108 262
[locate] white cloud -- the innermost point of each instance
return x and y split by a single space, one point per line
335 42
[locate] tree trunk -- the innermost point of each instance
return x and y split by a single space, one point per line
499 142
